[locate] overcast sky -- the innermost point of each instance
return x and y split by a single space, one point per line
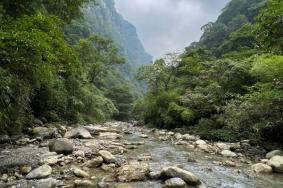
169 25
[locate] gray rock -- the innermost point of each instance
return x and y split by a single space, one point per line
271 154
4 139
61 146
175 183
261 168
79 132
43 132
107 156
80 173
83 184
175 172
200 142
154 175
276 162
134 171
110 135
46 183
228 153
40 172
96 162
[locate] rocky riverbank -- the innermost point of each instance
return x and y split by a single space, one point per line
113 155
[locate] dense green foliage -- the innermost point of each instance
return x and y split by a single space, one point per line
228 86
51 71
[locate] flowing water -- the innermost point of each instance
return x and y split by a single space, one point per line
212 175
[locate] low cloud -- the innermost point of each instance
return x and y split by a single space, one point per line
169 25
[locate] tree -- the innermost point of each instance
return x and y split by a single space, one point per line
269 30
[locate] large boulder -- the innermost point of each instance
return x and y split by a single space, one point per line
40 172
107 156
228 153
175 172
61 146
276 162
79 132
261 168
271 154
175 183
134 171
44 132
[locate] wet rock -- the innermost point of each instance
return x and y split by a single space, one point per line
175 172
80 173
261 168
61 146
228 153
175 183
83 184
271 154
107 156
96 162
40 172
46 183
79 132
276 162
110 135
134 171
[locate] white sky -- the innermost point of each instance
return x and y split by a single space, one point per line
169 25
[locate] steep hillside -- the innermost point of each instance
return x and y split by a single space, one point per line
103 19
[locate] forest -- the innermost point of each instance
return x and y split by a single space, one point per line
227 86
83 105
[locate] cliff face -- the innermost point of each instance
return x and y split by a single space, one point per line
103 19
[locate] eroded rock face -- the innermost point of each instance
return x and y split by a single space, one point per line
276 162
175 172
40 172
261 168
175 183
134 171
107 156
79 132
61 146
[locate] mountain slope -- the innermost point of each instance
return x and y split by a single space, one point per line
103 19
